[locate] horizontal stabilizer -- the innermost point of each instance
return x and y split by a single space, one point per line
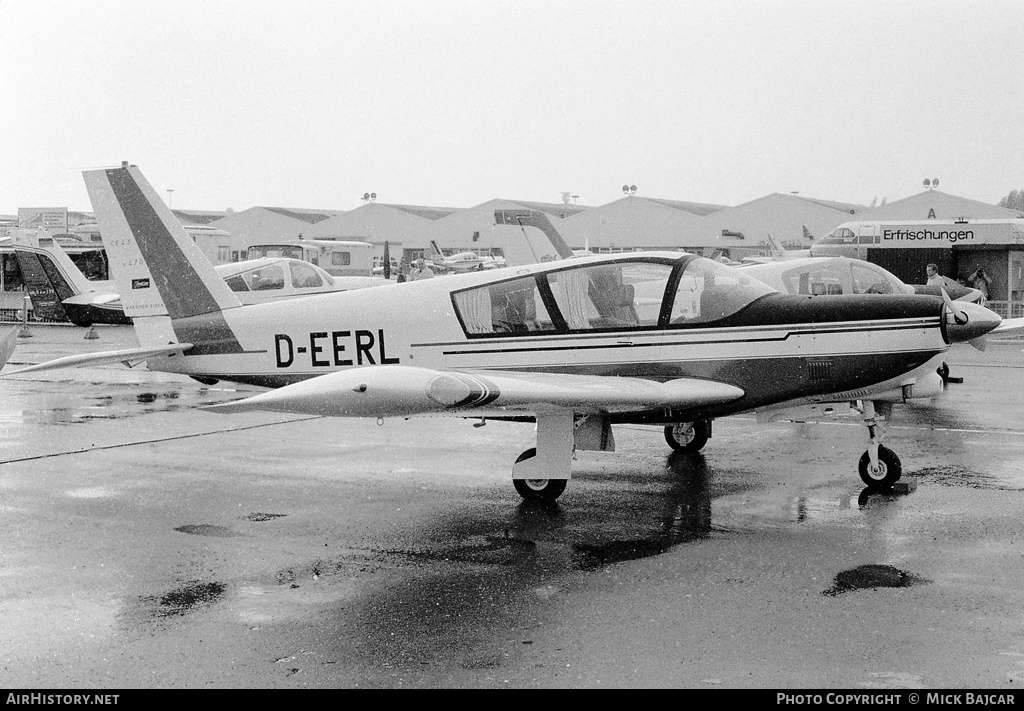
92 298
128 356
378 391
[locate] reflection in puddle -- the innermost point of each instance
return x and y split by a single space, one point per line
872 576
119 401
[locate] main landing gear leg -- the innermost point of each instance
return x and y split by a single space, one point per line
541 473
879 467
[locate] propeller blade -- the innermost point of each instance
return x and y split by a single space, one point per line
980 343
958 313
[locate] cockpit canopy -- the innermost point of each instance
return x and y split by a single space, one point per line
623 294
272 274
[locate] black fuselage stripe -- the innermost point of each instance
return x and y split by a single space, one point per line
931 323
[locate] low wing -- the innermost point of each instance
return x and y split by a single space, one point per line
379 391
128 356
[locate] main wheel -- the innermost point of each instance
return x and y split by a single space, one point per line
888 472
688 436
538 489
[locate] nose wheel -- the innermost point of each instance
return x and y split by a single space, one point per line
885 473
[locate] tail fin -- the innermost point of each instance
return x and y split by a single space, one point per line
807 234
48 279
530 250
778 250
167 285
437 250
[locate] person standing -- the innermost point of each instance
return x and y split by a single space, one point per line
934 278
980 281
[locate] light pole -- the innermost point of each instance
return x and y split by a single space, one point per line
170 194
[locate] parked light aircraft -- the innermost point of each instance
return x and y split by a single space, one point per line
462 261
58 288
576 345
60 291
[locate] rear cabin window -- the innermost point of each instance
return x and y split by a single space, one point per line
341 259
267 278
304 276
507 307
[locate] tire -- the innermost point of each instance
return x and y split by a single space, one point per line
544 490
688 436
889 469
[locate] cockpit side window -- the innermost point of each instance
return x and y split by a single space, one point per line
709 291
618 295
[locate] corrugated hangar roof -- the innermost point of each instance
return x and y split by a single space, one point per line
310 216
936 205
697 208
554 208
198 217
430 213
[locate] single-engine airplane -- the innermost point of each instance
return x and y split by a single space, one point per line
575 345
58 288
61 292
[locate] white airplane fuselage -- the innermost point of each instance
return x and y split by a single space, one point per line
772 358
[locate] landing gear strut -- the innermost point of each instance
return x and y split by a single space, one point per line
542 472
879 467
688 436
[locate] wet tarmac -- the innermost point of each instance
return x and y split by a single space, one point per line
146 543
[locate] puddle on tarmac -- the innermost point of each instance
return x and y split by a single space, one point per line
872 576
208 529
348 563
261 516
479 550
954 475
588 557
183 600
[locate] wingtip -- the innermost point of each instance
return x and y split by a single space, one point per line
8 341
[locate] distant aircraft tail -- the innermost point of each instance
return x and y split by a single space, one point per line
778 250
167 285
531 249
48 279
807 234
59 290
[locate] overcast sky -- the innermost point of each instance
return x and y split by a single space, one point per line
452 103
